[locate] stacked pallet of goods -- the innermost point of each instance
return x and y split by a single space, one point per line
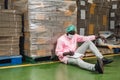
44 21
95 16
1 4
10 26
115 17
10 32
115 24
6 4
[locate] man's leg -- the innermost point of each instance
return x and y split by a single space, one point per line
82 64
89 45
88 66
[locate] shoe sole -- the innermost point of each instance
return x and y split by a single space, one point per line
100 62
107 62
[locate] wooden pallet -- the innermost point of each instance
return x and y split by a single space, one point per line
36 59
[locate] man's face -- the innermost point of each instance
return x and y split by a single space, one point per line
71 34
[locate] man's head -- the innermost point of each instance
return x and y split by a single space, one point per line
70 30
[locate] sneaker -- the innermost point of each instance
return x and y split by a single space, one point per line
107 61
99 66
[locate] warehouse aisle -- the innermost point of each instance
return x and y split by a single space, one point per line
59 71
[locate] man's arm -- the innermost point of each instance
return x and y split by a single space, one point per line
85 38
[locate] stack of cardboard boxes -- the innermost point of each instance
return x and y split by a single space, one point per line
44 21
1 4
97 15
10 30
94 16
115 17
6 4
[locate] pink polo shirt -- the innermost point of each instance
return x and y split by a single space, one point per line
65 44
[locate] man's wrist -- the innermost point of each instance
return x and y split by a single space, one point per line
96 37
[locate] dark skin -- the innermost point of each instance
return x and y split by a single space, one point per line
68 53
71 32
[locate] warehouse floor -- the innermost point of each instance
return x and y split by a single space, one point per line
59 71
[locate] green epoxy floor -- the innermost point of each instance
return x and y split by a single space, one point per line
59 71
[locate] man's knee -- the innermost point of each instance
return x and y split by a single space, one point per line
89 42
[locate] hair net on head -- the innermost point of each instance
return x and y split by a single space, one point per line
70 28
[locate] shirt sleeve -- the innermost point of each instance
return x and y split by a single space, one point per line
85 38
59 48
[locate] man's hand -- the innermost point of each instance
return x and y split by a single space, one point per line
68 53
103 38
81 56
97 36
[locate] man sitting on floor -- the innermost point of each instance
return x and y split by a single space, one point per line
68 53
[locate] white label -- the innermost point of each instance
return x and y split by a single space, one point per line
112 24
82 3
114 6
82 31
90 1
112 14
83 15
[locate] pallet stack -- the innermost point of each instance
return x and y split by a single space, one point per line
6 4
97 15
10 31
44 21
1 4
115 17
94 16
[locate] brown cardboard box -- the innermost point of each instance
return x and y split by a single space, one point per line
9 52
